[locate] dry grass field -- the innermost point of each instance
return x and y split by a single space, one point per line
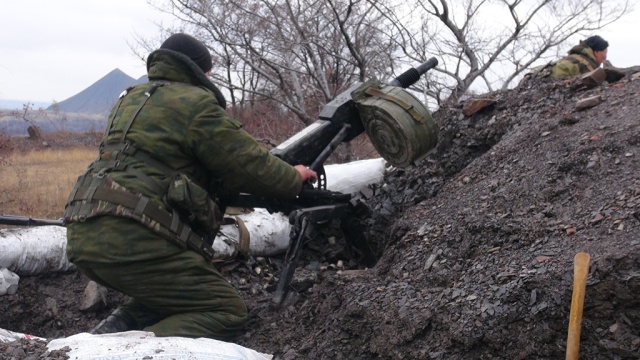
36 183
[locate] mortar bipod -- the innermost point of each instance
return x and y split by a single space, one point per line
304 221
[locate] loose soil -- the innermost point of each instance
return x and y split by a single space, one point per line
476 247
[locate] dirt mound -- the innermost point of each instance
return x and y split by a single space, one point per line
476 246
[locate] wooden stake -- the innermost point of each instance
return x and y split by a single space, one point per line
580 272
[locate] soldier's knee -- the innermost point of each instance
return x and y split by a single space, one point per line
237 317
225 326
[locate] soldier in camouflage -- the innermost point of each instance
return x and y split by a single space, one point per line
137 218
582 58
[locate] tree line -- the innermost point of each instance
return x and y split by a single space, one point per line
296 55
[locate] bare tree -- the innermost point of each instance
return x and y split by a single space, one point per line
300 54
297 53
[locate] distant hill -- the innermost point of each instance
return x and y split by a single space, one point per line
99 97
84 112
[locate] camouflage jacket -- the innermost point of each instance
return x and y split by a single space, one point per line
184 126
579 61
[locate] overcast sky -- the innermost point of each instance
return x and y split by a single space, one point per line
53 49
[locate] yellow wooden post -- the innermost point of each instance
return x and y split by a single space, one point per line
580 272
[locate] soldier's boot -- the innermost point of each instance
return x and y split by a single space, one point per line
118 321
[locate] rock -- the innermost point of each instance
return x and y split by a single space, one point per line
52 306
588 103
352 273
432 258
19 353
569 119
475 105
8 282
95 297
593 78
34 132
614 328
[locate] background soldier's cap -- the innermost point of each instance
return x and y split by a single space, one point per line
596 43
191 47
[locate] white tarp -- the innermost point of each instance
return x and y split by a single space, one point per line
142 345
145 345
269 234
355 176
35 250
8 336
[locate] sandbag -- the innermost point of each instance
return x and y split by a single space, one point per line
269 233
9 336
350 178
36 250
145 345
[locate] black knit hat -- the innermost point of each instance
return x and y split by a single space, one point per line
191 47
596 43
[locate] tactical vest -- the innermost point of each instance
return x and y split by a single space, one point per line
193 218
584 63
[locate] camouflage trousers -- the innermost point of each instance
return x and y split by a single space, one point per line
180 295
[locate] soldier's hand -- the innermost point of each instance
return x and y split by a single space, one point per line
306 173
